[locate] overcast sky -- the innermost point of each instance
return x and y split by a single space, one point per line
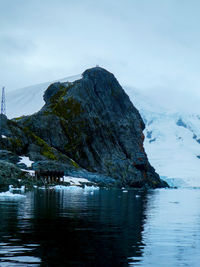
145 43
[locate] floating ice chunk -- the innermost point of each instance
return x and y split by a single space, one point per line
10 195
42 187
12 188
3 136
22 188
71 188
91 188
86 189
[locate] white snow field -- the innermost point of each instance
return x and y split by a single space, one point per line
75 180
172 129
172 135
29 100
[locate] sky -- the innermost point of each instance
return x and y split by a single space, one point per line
147 44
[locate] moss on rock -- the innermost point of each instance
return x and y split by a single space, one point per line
46 150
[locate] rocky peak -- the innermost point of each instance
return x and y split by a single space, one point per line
99 76
93 121
51 91
91 124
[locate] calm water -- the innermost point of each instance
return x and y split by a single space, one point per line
101 228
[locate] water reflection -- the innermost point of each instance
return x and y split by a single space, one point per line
73 228
14 252
101 228
172 229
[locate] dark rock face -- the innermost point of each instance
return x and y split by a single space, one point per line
9 156
9 170
93 122
181 123
9 174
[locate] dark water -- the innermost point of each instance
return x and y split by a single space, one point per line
101 228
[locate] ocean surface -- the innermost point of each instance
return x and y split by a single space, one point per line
100 227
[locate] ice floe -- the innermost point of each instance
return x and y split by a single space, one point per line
12 188
85 189
10 195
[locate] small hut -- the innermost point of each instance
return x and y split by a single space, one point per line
49 171
49 176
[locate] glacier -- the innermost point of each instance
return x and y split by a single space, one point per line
172 133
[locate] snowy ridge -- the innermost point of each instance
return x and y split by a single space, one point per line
29 100
172 129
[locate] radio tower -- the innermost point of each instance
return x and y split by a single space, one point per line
3 110
3 102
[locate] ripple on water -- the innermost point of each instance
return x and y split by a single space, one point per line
72 227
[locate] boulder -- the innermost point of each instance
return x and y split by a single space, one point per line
9 174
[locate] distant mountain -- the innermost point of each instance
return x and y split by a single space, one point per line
172 133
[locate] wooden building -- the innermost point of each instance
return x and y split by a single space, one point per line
49 176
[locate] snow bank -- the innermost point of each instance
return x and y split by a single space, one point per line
75 181
26 161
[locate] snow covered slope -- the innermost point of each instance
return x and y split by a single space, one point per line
172 135
29 100
172 129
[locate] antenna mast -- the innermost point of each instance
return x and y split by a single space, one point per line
3 102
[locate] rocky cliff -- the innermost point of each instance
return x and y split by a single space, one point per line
89 124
